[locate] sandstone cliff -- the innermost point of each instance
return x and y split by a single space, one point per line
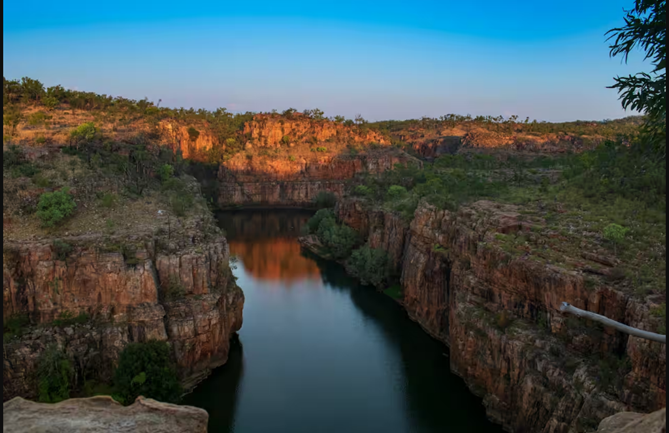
101 414
536 370
282 182
180 290
269 130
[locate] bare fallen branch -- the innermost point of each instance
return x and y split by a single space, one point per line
568 308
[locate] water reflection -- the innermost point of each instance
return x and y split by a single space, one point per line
321 353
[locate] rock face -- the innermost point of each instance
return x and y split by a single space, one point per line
632 422
500 316
191 146
296 183
267 130
101 414
179 290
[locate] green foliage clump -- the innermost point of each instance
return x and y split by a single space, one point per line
615 233
165 172
394 291
325 199
371 265
54 373
193 134
315 221
362 191
84 132
321 149
37 118
396 192
14 326
661 312
338 239
147 369
61 249
66 318
11 117
55 207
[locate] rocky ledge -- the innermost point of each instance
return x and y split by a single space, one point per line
101 414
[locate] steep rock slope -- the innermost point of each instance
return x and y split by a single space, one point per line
499 313
179 290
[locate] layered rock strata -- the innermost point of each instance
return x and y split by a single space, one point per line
536 369
106 292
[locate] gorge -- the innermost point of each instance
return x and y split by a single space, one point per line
479 271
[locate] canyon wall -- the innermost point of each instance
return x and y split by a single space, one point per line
170 287
269 130
282 182
537 370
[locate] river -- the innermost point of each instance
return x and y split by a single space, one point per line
318 352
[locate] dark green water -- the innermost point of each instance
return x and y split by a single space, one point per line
320 353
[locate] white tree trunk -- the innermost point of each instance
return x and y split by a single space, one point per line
568 308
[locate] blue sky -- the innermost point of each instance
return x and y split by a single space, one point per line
381 59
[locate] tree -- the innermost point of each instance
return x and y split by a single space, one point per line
54 372
32 90
12 117
370 265
615 234
147 369
645 28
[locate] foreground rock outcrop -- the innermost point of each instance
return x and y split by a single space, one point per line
537 370
632 422
101 414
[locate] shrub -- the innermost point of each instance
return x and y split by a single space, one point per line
181 203
54 207
362 191
165 172
66 318
285 140
321 149
109 200
615 234
291 158
193 134
84 132
315 221
54 371
338 239
50 102
147 369
41 181
370 265
61 249
325 199
396 192
14 325
40 140
37 118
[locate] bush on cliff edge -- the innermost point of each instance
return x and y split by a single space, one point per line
147 369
